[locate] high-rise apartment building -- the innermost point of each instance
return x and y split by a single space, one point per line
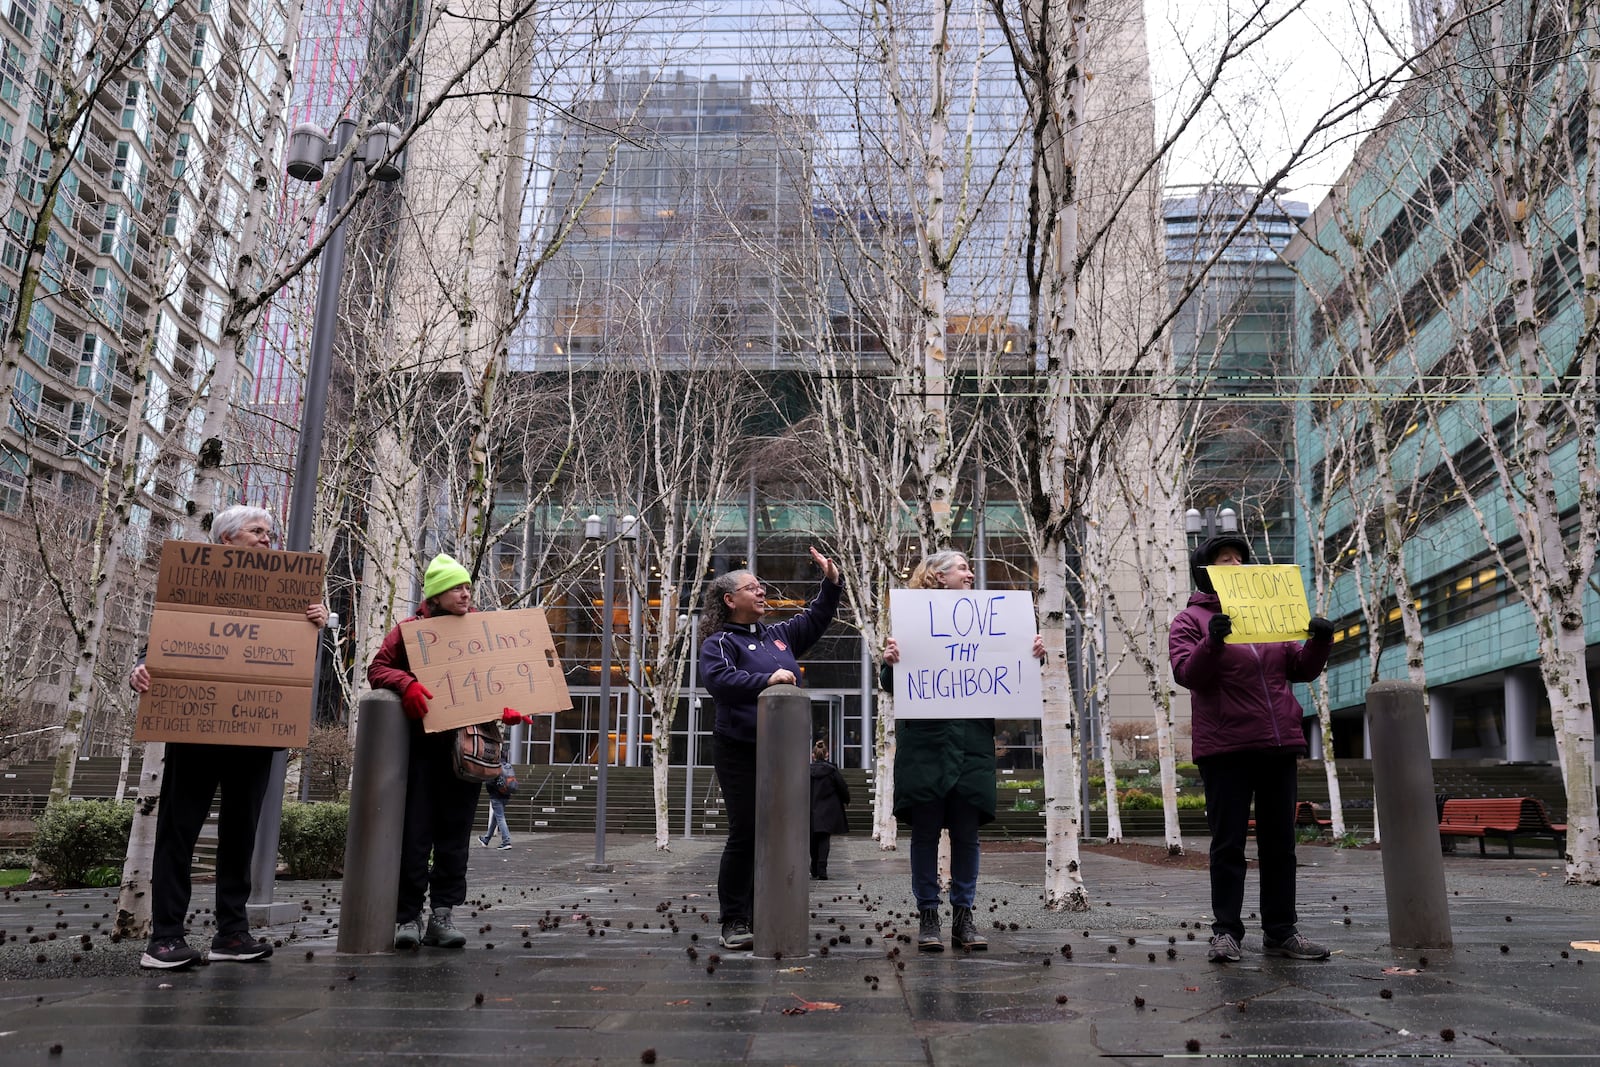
133 279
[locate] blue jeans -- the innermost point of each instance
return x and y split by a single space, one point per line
497 820
961 819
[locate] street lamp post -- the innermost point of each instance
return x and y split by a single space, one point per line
1209 523
310 150
605 530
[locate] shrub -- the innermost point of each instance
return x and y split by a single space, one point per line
1187 770
1191 800
76 836
311 840
1138 800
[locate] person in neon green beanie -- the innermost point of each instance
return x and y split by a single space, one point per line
440 808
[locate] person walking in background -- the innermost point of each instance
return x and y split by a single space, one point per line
830 795
500 790
738 661
191 776
440 807
944 779
1248 735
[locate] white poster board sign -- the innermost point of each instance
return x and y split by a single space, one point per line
964 654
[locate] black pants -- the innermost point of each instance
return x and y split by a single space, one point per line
821 844
1232 780
190 778
440 809
735 763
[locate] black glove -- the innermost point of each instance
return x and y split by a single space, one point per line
1320 629
1220 626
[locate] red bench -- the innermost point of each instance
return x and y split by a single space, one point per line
1305 814
1503 817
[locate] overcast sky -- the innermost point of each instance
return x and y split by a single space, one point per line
1325 51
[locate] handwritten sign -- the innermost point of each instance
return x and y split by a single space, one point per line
479 663
1266 603
964 655
231 655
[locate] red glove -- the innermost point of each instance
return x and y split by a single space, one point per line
414 701
512 715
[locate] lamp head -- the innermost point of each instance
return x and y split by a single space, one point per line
381 139
308 151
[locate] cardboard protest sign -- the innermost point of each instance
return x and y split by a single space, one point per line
1266 603
479 663
230 654
964 654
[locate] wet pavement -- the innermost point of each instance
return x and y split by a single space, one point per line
564 965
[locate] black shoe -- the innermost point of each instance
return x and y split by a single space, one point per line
736 934
168 954
239 946
964 932
928 939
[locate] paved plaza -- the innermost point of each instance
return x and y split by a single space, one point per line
566 966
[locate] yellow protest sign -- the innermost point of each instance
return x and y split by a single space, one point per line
1266 603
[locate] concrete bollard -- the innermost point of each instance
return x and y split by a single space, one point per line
377 815
1402 773
783 823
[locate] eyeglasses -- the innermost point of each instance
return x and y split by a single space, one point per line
260 531
756 588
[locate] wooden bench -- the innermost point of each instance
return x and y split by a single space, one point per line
1305 814
1502 817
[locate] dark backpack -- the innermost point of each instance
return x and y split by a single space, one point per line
506 784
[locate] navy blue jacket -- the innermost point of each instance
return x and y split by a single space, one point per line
737 660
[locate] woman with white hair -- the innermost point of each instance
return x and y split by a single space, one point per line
191 777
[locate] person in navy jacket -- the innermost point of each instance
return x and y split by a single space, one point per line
1247 738
738 661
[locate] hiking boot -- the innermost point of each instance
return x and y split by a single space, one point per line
168 954
1295 947
964 932
408 935
1224 949
736 934
239 946
928 939
442 932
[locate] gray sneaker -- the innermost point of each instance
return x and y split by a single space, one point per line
1295 947
408 935
1224 949
442 930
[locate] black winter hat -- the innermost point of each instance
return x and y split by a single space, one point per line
1201 557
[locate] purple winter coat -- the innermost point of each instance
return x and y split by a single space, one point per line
1240 698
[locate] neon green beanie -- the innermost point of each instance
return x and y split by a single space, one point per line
443 574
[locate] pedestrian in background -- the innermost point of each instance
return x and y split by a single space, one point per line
830 795
191 776
1248 736
738 661
500 790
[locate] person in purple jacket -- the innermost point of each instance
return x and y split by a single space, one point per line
1247 737
738 661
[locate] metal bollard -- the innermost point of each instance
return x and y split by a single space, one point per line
377 815
783 823
1402 773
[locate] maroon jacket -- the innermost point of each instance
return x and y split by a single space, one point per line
1240 698
391 664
